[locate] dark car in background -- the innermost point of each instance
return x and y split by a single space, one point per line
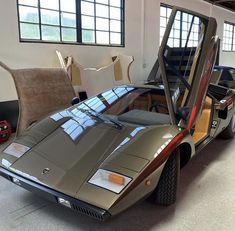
227 78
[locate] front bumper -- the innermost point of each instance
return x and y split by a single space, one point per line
52 195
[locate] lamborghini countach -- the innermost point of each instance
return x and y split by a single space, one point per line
104 154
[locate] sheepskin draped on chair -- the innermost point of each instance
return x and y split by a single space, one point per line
95 80
40 91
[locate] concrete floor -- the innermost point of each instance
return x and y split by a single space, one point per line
206 202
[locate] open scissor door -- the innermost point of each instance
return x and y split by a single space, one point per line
186 60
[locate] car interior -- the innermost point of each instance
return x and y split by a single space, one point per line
180 66
147 106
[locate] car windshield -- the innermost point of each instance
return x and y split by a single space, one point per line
136 105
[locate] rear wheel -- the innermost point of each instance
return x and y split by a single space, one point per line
166 190
228 132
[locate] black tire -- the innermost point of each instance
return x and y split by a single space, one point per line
166 190
228 132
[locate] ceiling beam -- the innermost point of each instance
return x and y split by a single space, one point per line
222 4
221 1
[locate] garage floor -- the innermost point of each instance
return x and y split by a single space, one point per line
206 202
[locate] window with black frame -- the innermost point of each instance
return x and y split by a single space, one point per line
178 36
95 22
229 37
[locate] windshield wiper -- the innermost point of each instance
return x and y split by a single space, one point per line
107 119
104 118
118 124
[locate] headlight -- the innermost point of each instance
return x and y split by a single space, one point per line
110 180
16 149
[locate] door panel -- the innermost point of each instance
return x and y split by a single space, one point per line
199 89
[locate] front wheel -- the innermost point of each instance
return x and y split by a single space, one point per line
166 190
228 132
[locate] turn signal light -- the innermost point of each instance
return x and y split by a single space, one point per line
116 179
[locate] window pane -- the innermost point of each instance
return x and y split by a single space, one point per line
103 1
162 31
28 14
195 36
51 33
68 5
50 4
56 20
102 24
88 22
184 34
115 13
115 25
102 37
185 17
29 31
69 35
176 33
172 34
163 11
228 37
178 16
170 42
181 27
102 11
29 2
115 3
190 43
50 17
162 22
87 8
168 12
176 43
196 20
115 38
184 26
223 46
68 19
177 24
88 36
196 28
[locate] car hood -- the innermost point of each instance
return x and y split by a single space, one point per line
65 151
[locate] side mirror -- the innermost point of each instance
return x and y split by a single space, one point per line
183 112
75 100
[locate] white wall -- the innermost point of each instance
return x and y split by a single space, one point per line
20 55
142 41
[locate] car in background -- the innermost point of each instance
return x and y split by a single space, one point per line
227 78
